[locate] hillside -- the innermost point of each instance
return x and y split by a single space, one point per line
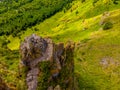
17 15
94 25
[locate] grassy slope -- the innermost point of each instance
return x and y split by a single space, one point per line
65 26
96 46
97 60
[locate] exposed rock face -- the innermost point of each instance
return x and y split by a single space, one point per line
49 66
34 47
32 78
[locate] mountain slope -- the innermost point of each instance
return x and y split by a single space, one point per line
16 16
97 52
67 24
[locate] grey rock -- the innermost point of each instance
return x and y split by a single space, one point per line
35 50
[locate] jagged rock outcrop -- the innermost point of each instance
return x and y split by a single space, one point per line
49 66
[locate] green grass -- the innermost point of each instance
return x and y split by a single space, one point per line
14 43
97 60
88 65
68 25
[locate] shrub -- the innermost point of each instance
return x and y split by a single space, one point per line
82 1
115 1
76 12
107 25
94 2
36 29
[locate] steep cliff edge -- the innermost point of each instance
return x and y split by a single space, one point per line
46 65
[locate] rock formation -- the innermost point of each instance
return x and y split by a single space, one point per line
49 66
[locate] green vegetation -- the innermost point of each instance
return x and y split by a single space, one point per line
43 80
18 15
107 26
9 66
97 49
97 62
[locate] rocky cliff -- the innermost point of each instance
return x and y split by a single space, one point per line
46 65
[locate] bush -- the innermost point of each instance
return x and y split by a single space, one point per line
115 1
94 2
82 1
76 12
107 26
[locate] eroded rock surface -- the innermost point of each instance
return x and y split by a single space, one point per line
36 50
